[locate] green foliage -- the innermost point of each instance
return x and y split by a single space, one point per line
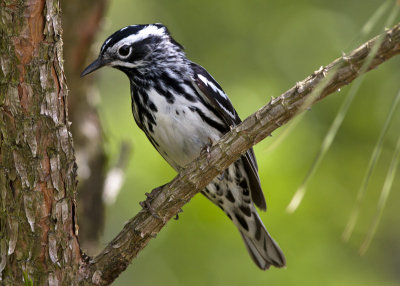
255 50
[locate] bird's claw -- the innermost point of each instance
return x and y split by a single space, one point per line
146 203
155 192
177 214
206 149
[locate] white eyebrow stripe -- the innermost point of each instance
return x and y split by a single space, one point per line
142 34
105 44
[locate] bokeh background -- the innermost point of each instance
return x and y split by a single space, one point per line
256 50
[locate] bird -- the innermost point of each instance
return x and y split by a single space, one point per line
181 109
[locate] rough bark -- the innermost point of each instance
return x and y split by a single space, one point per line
138 231
82 20
38 236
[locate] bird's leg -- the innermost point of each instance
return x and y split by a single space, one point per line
155 192
206 148
146 203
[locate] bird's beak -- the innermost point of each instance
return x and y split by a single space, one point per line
98 63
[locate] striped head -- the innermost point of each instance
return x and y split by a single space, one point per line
138 47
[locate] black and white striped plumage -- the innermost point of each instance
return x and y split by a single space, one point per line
181 108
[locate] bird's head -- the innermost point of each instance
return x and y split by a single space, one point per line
137 47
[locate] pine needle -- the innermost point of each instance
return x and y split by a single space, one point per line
387 186
299 194
365 31
371 165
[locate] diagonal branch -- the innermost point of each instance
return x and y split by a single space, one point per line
105 267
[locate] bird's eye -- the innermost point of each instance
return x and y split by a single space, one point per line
124 51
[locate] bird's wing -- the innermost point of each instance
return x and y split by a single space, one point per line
212 92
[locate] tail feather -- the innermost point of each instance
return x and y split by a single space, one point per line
230 191
262 248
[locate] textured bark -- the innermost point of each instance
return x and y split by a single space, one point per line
82 20
38 237
105 267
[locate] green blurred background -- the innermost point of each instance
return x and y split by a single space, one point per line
255 50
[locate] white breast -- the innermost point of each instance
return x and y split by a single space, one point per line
180 132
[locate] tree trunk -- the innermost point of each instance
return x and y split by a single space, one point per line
38 233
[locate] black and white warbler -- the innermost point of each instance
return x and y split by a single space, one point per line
181 108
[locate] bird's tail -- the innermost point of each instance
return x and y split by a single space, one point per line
262 248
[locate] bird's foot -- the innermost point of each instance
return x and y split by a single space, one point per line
146 204
206 149
177 215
